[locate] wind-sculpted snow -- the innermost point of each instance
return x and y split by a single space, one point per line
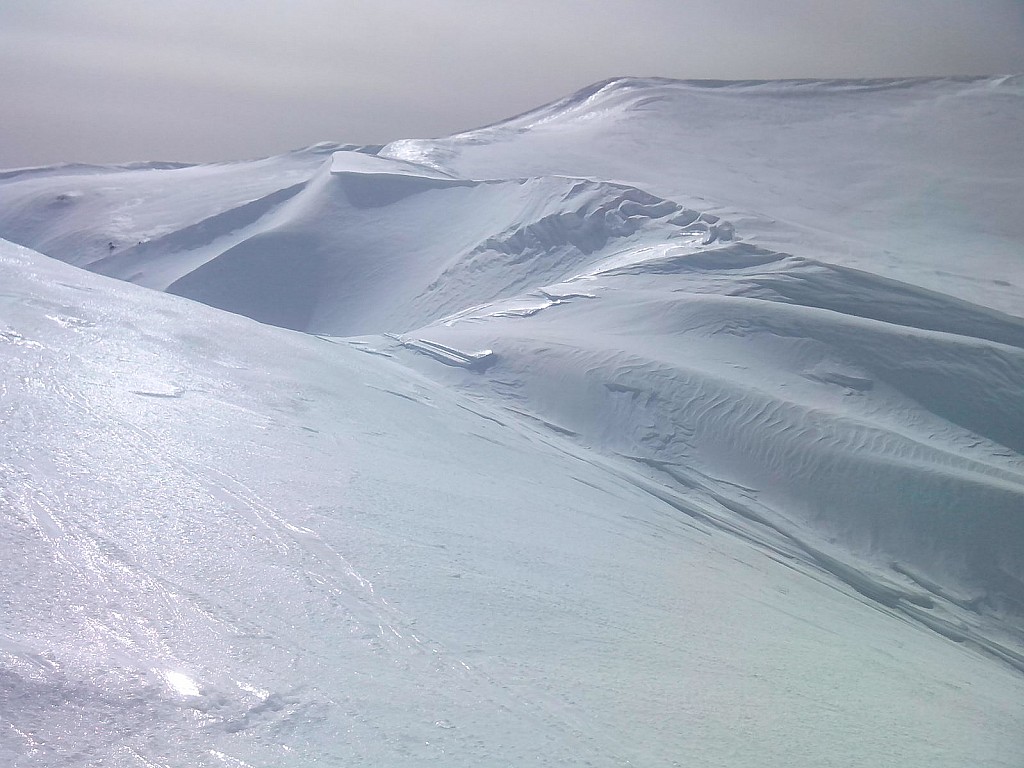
373 245
919 180
886 437
266 548
643 427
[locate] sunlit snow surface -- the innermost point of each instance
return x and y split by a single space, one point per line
670 424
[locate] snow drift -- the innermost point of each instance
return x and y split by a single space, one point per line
659 350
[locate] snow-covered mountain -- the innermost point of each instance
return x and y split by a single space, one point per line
671 423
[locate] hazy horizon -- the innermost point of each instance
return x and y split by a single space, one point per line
111 81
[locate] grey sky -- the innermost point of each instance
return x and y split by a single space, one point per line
115 80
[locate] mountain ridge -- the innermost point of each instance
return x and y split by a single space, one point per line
656 415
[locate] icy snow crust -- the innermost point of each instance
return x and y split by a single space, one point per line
671 423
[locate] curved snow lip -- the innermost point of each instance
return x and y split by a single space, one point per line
372 165
370 181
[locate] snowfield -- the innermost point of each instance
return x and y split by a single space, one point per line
673 423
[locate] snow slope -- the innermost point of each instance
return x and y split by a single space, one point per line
75 213
673 422
232 545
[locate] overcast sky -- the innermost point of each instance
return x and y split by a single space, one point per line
117 80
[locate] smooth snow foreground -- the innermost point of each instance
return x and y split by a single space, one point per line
669 424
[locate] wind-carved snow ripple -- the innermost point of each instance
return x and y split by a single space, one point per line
873 425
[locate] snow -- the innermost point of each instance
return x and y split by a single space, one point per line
674 423
916 179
